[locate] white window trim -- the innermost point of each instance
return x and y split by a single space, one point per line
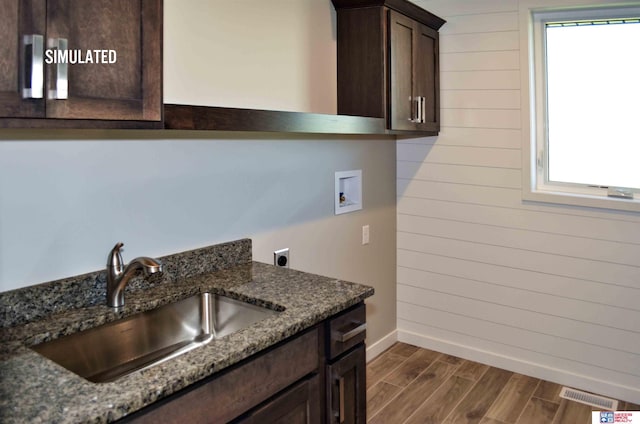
531 126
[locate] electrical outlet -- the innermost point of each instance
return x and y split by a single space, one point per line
281 258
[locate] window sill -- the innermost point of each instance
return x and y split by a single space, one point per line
585 200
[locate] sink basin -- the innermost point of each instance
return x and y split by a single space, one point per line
118 348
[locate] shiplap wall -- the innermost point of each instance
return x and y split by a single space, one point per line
546 290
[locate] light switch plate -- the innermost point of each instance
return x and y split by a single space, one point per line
365 234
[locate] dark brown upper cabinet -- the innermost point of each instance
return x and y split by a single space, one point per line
20 21
125 87
388 64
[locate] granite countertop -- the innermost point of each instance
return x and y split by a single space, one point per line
34 389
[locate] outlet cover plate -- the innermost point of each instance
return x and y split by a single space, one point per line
281 258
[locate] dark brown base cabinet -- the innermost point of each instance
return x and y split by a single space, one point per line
297 405
347 401
113 69
317 376
388 64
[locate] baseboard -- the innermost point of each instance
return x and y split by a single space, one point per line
544 372
381 345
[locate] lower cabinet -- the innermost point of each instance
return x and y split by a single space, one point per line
297 405
317 376
346 367
347 400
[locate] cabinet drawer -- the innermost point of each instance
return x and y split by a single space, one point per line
347 330
225 397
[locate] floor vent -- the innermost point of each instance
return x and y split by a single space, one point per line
589 399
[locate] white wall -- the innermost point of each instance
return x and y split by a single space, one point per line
276 54
547 290
66 197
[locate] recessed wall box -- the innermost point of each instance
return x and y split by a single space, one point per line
348 192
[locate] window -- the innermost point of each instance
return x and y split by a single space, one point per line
585 141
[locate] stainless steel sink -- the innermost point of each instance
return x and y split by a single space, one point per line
112 350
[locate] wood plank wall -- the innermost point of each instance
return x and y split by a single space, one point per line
540 289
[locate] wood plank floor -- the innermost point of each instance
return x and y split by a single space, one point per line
407 384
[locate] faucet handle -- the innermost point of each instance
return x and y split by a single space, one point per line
115 257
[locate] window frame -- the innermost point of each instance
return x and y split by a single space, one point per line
533 16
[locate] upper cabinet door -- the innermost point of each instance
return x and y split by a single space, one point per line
404 104
426 76
22 31
126 84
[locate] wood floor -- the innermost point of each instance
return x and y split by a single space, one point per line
410 385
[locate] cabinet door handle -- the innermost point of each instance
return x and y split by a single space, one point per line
33 67
415 110
419 111
348 335
423 109
60 78
341 390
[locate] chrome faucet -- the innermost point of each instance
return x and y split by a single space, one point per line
118 275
